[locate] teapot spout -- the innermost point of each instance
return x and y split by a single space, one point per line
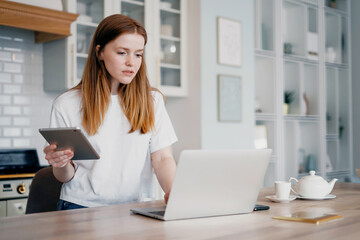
331 184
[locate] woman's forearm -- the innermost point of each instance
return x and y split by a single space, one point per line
165 172
164 167
64 174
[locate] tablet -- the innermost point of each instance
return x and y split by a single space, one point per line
71 137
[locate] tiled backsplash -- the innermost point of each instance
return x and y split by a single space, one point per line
24 106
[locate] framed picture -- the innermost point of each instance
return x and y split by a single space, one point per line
229 98
229 42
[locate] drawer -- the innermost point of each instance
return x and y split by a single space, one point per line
16 207
2 208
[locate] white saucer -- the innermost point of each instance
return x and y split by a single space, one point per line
329 196
274 199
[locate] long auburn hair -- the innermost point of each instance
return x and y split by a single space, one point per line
135 98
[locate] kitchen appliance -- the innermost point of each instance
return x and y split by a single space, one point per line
17 168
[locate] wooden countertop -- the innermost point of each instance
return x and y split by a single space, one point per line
116 222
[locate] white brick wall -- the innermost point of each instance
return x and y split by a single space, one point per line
10 110
5 142
11 132
24 106
27 132
12 67
11 89
21 121
5 56
20 143
18 78
22 100
5 100
5 77
5 121
18 57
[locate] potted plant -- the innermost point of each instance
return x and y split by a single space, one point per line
333 4
288 99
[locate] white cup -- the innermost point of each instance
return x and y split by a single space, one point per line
282 189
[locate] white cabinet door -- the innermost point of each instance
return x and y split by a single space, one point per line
134 9
164 20
59 65
16 207
171 45
2 208
65 59
91 12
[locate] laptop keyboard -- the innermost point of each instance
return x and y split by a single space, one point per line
160 213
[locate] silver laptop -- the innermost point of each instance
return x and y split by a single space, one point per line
213 183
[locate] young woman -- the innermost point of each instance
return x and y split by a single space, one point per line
122 116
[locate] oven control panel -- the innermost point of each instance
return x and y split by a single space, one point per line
14 188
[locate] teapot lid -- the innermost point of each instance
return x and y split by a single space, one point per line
313 177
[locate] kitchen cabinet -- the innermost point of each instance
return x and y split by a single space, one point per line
164 20
302 54
2 208
171 35
16 207
22 15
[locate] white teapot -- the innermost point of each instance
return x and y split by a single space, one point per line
312 186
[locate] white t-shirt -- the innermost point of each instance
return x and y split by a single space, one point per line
123 173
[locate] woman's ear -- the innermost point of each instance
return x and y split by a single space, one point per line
98 52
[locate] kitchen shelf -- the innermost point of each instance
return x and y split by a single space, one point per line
170 38
134 2
171 66
297 58
265 116
82 55
171 10
309 118
303 46
265 53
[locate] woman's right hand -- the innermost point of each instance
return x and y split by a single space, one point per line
58 159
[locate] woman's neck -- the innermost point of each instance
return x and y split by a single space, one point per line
114 87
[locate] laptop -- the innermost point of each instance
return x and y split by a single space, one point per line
213 183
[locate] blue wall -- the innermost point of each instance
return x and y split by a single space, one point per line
215 134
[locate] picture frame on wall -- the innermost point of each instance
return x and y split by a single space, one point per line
229 98
229 34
